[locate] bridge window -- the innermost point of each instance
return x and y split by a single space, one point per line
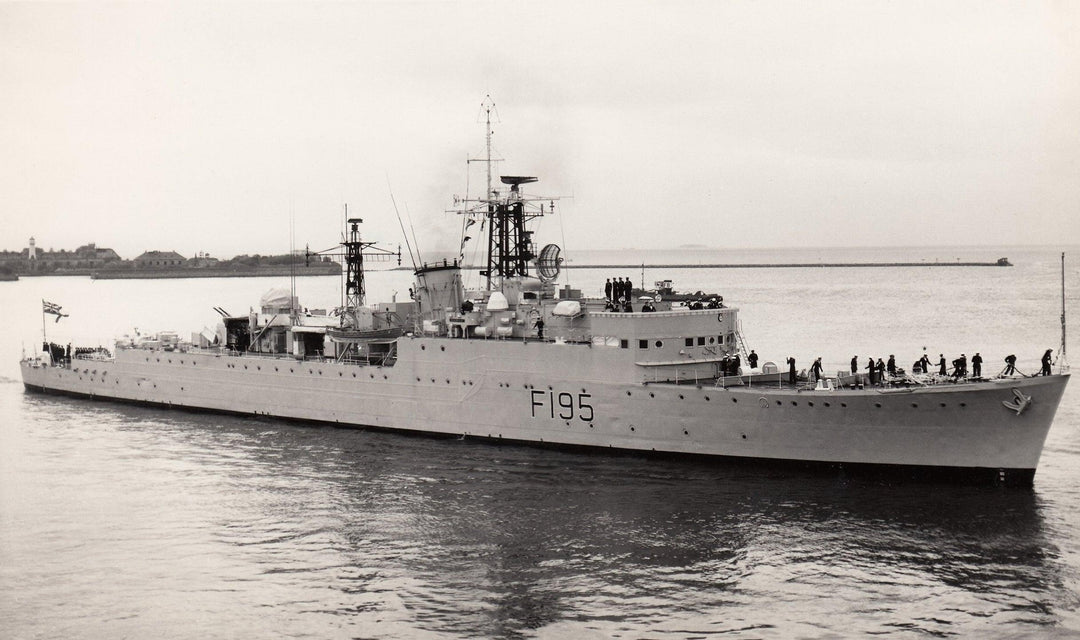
642 344
701 341
624 344
719 339
689 342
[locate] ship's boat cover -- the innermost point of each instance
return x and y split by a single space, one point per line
276 299
567 309
497 302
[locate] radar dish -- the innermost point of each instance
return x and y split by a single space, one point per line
514 181
549 263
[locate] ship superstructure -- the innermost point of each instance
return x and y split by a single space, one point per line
521 359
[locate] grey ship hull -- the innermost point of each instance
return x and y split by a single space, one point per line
539 392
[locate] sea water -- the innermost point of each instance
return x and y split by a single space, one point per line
124 521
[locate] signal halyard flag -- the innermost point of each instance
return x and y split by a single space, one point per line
53 308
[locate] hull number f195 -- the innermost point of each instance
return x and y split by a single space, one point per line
562 404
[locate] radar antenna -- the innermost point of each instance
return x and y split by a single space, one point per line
549 264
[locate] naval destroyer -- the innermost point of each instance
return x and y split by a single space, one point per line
521 360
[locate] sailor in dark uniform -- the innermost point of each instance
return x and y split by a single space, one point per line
736 364
976 365
791 370
607 289
815 370
872 368
891 366
1047 357
752 359
854 364
941 364
1010 365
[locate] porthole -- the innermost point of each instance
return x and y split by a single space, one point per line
652 395
963 404
843 404
877 404
423 347
340 374
659 344
442 348
631 427
685 432
942 405
914 405
810 403
794 404
627 393
827 404
778 403
706 398
711 339
734 399
682 397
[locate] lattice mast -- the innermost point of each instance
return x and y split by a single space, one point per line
509 243
353 250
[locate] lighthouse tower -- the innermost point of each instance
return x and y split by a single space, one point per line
32 252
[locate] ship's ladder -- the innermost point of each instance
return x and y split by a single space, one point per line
740 342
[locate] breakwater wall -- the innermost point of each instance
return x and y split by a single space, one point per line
793 265
787 265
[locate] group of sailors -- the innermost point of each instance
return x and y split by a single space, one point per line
711 303
62 355
620 290
879 371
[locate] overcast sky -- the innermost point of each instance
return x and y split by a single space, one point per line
728 124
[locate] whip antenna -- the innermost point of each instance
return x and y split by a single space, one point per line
1061 352
400 223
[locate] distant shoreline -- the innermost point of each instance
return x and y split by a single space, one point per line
168 274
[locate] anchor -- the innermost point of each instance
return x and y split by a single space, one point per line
1021 403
